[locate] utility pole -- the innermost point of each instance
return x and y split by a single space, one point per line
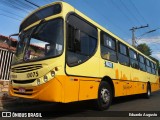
133 29
32 3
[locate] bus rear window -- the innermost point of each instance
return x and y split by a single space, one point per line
41 14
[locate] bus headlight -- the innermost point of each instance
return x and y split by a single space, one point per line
45 78
52 73
38 82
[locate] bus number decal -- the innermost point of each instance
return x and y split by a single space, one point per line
32 74
108 64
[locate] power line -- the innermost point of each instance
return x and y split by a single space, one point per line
147 33
138 11
103 15
9 17
122 12
19 5
24 4
49 0
130 11
5 11
133 33
14 6
32 3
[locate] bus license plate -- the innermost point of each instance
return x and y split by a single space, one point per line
22 90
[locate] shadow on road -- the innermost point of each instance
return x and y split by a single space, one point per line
53 110
124 99
119 100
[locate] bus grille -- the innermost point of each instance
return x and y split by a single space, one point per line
23 93
26 68
24 81
27 91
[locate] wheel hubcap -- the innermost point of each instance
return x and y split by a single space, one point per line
149 92
105 95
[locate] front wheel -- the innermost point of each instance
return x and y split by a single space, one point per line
104 96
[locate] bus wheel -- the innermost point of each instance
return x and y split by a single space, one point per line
148 93
104 96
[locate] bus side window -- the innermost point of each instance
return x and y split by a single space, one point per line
71 46
123 54
141 63
108 47
133 59
82 50
148 66
81 41
153 68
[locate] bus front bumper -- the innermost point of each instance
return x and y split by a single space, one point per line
49 91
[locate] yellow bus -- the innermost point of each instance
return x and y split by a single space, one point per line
64 56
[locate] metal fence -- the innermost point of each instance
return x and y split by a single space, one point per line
5 64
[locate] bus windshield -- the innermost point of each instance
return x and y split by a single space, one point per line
45 42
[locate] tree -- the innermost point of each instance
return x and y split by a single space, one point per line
145 49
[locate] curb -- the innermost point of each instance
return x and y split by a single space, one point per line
5 99
9 100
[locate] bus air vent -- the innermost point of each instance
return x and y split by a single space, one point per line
26 68
24 81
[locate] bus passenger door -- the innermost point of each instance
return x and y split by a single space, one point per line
82 60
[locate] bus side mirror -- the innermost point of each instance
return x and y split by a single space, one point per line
77 43
9 41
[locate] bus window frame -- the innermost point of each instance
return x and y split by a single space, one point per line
148 66
153 68
133 58
141 62
67 35
121 54
102 33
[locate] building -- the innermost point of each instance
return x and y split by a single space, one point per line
6 56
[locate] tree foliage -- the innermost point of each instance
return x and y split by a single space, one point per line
145 49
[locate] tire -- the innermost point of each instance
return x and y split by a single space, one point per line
105 95
148 93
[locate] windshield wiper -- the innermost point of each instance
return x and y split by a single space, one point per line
30 36
34 30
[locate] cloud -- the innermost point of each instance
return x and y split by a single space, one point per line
153 42
149 40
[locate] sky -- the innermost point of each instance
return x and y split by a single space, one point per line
118 16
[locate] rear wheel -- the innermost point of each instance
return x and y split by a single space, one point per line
104 96
148 93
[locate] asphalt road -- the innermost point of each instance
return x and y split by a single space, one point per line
121 107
